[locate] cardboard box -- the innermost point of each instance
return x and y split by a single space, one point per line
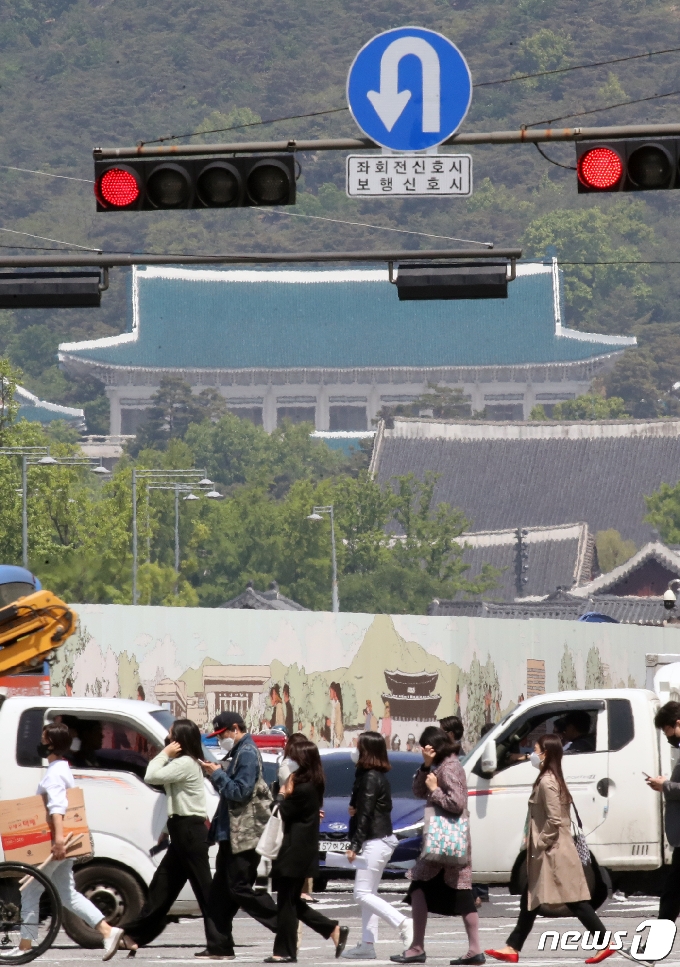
25 829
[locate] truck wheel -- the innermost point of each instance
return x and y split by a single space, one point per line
115 892
599 884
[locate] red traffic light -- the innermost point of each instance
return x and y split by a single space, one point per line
147 184
600 168
117 188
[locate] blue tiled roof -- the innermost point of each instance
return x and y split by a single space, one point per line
226 319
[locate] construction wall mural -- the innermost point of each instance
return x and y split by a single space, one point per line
333 676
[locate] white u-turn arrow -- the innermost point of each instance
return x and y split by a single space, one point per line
389 101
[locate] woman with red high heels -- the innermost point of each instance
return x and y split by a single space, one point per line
555 872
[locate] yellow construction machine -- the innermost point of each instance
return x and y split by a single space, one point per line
33 622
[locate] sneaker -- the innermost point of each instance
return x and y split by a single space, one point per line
362 951
406 933
112 942
209 955
12 952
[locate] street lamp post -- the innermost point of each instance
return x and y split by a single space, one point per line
317 514
177 481
40 457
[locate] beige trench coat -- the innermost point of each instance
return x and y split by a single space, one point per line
555 872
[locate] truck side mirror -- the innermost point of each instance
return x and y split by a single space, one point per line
489 758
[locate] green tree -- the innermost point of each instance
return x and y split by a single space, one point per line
612 549
543 51
634 379
597 239
588 407
663 512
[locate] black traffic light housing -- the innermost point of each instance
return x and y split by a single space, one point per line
640 164
51 290
153 184
471 280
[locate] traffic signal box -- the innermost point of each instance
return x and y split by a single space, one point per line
637 165
153 184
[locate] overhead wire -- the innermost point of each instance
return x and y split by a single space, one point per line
381 228
599 110
338 110
57 241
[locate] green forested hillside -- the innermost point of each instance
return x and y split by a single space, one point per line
75 73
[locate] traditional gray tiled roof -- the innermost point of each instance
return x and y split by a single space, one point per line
556 557
213 319
563 608
271 600
530 474
654 551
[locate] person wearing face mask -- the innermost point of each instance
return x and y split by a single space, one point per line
54 745
667 720
438 887
554 869
177 768
242 814
372 838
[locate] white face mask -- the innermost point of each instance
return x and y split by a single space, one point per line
286 770
535 760
226 743
76 744
354 756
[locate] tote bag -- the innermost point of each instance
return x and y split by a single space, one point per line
269 843
445 837
579 839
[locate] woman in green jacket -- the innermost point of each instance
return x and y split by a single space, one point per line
177 769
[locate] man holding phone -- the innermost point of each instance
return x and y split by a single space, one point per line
667 720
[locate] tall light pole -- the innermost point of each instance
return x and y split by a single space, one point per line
40 457
177 481
317 514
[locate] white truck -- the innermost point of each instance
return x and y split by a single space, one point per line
117 738
623 819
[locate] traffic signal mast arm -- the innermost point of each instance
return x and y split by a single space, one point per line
31 628
72 260
524 135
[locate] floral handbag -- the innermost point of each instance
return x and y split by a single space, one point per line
445 837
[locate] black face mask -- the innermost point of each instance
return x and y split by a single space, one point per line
674 741
43 750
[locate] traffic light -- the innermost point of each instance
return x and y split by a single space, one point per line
151 184
637 165
467 281
50 290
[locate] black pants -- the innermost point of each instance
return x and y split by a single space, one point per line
669 904
291 908
185 859
231 891
583 910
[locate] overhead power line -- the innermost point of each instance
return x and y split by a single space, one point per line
599 110
380 228
502 80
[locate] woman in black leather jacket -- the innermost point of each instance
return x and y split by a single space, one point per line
372 844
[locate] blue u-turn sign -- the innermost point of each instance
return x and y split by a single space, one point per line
409 89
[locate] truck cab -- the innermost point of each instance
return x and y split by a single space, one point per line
114 739
622 818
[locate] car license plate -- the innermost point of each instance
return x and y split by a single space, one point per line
334 846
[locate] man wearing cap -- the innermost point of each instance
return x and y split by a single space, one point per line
242 814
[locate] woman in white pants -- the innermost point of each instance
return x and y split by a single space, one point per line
372 843
56 741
